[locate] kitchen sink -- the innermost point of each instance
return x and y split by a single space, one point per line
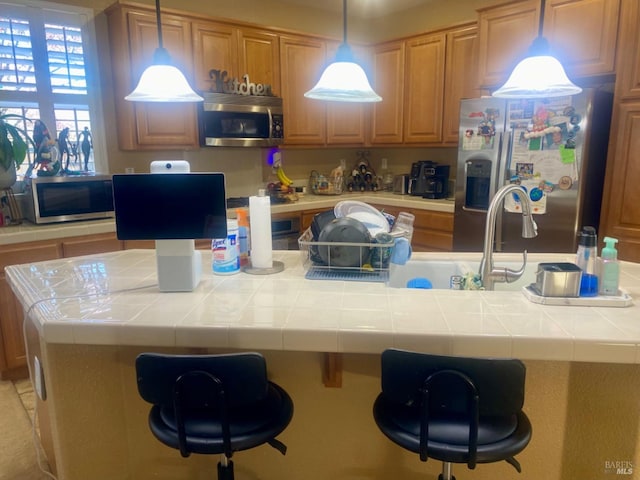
439 273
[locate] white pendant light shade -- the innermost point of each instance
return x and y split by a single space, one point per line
163 83
343 82
537 76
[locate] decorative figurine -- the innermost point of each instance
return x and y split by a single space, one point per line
86 144
64 146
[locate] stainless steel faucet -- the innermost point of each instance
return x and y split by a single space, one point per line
488 272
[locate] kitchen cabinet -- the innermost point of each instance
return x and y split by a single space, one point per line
423 88
461 67
236 50
388 82
620 216
133 40
621 199
505 33
628 74
582 35
13 359
259 56
215 47
301 62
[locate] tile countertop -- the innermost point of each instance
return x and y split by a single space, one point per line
112 299
28 232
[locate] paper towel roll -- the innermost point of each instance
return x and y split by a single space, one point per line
260 225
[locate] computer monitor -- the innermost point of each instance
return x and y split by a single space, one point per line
150 206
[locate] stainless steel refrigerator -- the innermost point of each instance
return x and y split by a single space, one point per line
555 148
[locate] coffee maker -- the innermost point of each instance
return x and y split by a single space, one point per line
429 180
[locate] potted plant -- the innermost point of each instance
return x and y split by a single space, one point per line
13 148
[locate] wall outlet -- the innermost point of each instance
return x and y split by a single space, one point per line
38 379
384 164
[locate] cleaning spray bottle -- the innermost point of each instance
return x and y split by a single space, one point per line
244 235
609 268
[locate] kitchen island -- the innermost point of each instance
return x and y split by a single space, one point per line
88 318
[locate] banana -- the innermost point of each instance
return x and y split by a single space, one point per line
286 181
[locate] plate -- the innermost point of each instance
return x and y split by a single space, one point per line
345 230
370 216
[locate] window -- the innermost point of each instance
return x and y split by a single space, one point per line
48 72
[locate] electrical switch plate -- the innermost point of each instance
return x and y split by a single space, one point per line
343 163
384 164
38 379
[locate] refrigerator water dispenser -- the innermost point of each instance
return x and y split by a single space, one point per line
477 184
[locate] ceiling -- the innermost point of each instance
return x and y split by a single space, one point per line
360 8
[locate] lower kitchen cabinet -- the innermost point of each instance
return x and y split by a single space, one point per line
12 351
13 357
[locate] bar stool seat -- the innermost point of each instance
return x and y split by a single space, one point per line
213 404
453 409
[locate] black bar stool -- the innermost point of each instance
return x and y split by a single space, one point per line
213 404
453 409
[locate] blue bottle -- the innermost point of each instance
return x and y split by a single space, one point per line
586 259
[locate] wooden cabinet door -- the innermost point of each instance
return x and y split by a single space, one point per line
388 82
628 51
424 88
346 120
259 57
76 246
505 34
301 62
215 47
460 77
582 35
161 125
621 199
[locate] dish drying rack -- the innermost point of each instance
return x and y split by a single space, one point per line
373 265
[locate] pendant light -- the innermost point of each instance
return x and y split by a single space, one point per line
162 82
344 80
538 75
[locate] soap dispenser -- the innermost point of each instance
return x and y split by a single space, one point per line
610 268
586 260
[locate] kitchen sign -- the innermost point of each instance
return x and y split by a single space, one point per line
221 84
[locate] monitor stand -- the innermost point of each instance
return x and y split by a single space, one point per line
179 265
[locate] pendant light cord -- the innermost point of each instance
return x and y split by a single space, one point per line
159 22
344 21
541 21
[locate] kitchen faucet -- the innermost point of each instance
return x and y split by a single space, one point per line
488 273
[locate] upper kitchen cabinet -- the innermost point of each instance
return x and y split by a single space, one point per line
505 33
461 67
301 62
259 57
582 35
388 82
423 88
236 50
628 72
346 121
133 40
215 47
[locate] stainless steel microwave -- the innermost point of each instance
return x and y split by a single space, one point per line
66 199
230 120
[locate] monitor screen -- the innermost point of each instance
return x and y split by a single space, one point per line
152 206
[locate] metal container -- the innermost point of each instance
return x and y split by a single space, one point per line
558 279
401 184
